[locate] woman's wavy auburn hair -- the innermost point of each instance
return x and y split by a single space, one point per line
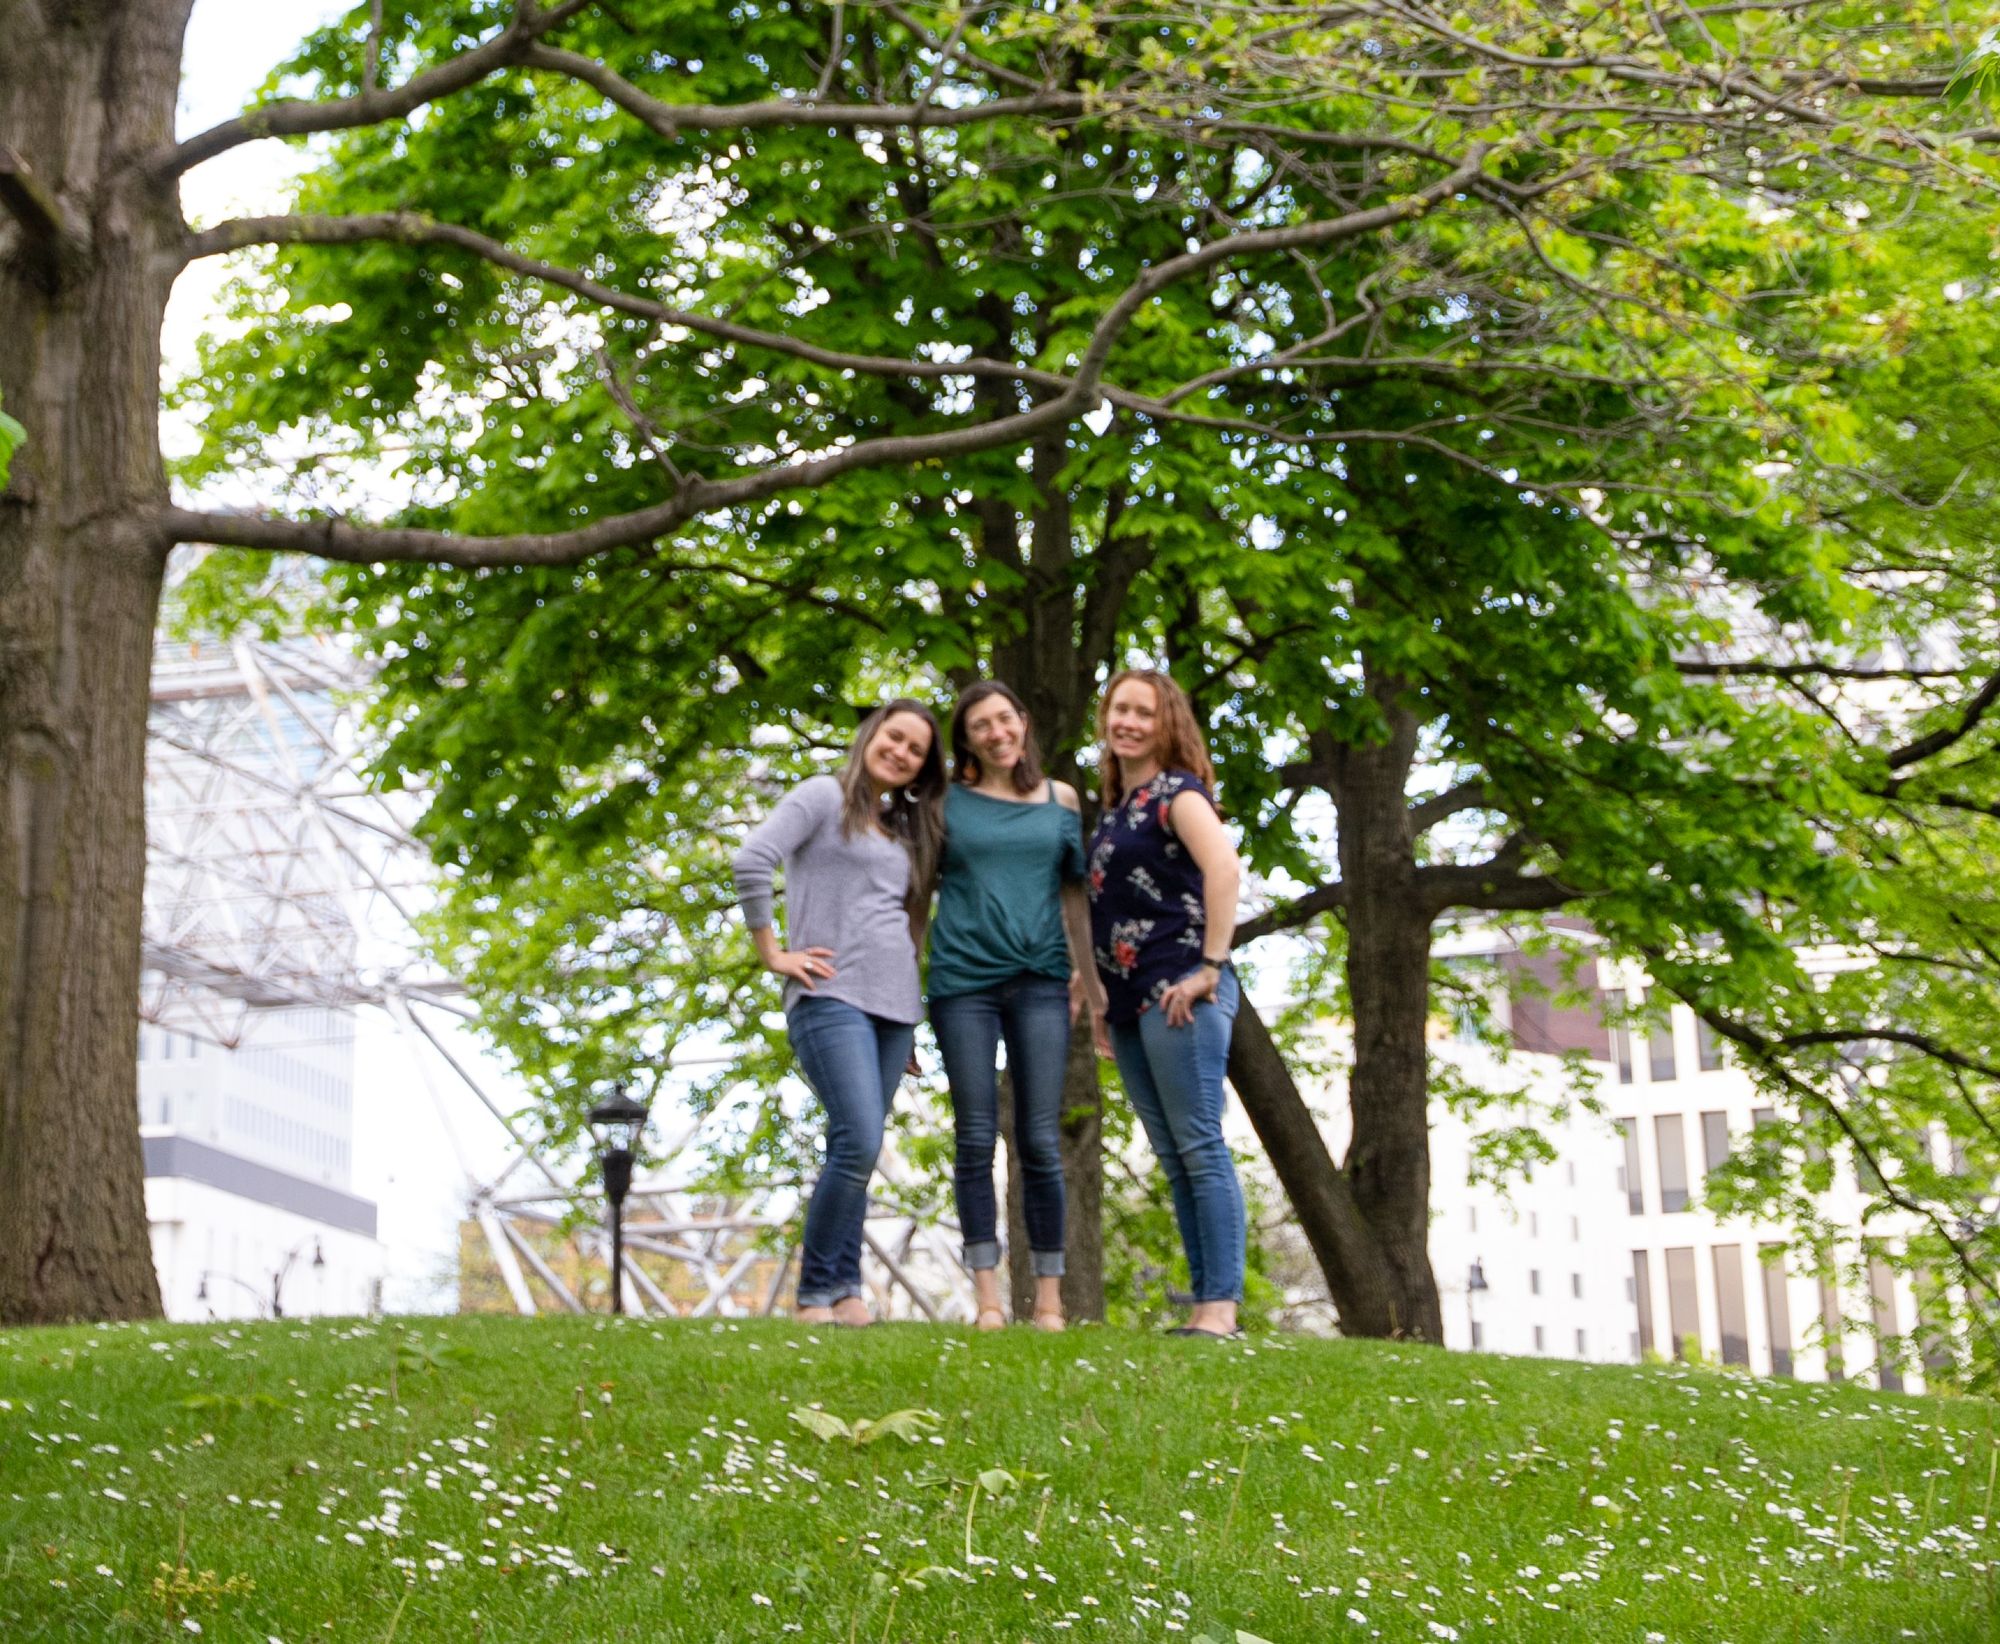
913 813
1182 746
965 767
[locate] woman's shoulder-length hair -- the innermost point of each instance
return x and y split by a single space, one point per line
1182 746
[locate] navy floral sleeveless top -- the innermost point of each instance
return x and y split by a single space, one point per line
1146 914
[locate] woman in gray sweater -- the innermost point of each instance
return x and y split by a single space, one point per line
859 853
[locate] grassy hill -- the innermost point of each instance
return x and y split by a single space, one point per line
564 1479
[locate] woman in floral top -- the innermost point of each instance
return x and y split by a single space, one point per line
1162 879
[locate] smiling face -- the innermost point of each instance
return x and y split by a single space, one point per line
896 752
996 733
1132 722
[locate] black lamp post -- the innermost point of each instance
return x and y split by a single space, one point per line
618 1123
1475 1281
284 1271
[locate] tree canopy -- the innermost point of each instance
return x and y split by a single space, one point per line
1412 384
1559 488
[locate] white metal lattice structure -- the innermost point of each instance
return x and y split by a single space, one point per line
278 878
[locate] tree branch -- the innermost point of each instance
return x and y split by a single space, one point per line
671 119
412 229
1764 1049
1350 225
340 540
1493 887
1290 915
1470 795
1939 740
297 117
1754 669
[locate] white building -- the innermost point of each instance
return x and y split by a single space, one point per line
1605 1254
249 1170
254 928
1726 1287
1527 1269
1630 1191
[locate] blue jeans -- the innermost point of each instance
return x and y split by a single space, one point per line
1174 1077
853 1061
1032 1014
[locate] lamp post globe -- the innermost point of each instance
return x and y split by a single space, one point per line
1475 1284
618 1123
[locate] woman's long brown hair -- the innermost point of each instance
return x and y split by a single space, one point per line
965 765
913 813
1182 746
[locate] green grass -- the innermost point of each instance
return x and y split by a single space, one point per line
565 1479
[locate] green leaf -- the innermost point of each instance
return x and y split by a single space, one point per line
911 1426
12 435
821 1424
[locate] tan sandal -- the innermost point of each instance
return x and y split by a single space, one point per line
1051 1322
998 1319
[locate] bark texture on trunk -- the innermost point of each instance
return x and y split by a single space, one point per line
1083 1180
83 90
1388 1165
1367 1220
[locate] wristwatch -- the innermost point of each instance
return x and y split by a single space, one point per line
1217 965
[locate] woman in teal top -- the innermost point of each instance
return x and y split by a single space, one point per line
1010 955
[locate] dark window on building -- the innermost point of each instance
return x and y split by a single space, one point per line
1882 1303
1580 1348
1707 1045
1631 1180
1777 1308
1683 1311
1478 1334
1660 1051
1534 1281
1729 1309
1714 1139
1576 1285
1538 1338
1642 1294
1671 1136
1762 1116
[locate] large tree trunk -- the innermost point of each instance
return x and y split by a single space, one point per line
84 278
1367 1221
1388 1165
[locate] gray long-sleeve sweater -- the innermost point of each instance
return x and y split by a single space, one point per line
842 894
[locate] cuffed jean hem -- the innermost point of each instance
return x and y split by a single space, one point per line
1048 1264
826 1298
